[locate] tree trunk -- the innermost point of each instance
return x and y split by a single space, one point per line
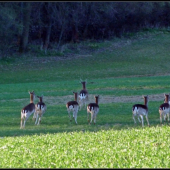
47 38
85 33
61 34
26 24
47 20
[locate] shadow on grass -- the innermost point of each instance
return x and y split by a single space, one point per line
70 127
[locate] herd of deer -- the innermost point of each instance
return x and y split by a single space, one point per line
138 110
141 110
72 106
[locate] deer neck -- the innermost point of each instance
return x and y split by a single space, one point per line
96 99
31 98
146 101
84 86
40 99
167 99
75 97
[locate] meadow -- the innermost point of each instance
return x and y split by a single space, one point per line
120 71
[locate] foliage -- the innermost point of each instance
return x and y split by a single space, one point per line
65 22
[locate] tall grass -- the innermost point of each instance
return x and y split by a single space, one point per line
127 148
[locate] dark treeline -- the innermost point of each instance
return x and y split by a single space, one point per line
44 23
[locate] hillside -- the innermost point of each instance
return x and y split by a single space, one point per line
142 54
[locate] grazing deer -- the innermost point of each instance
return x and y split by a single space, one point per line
164 108
83 95
73 106
40 109
141 110
93 108
28 110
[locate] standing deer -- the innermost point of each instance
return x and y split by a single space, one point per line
40 109
164 108
73 106
28 110
93 108
83 95
141 110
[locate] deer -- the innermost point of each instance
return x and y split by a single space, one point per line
141 110
40 109
164 108
83 95
28 110
93 108
73 106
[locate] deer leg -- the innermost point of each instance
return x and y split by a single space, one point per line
94 119
168 116
34 116
25 121
85 104
36 121
147 120
91 117
160 118
21 123
80 106
69 114
75 116
134 119
164 117
88 115
142 120
39 120
139 119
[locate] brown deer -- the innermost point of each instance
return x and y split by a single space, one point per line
141 110
27 110
83 95
40 109
93 108
73 106
164 109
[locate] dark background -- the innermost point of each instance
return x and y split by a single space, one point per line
23 24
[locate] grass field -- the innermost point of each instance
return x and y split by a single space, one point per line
120 71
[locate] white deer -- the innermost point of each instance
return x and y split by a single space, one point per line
164 108
40 109
73 106
93 108
141 110
28 110
83 95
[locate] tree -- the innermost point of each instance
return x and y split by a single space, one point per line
8 27
25 15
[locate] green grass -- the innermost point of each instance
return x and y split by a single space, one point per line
115 69
127 57
103 149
